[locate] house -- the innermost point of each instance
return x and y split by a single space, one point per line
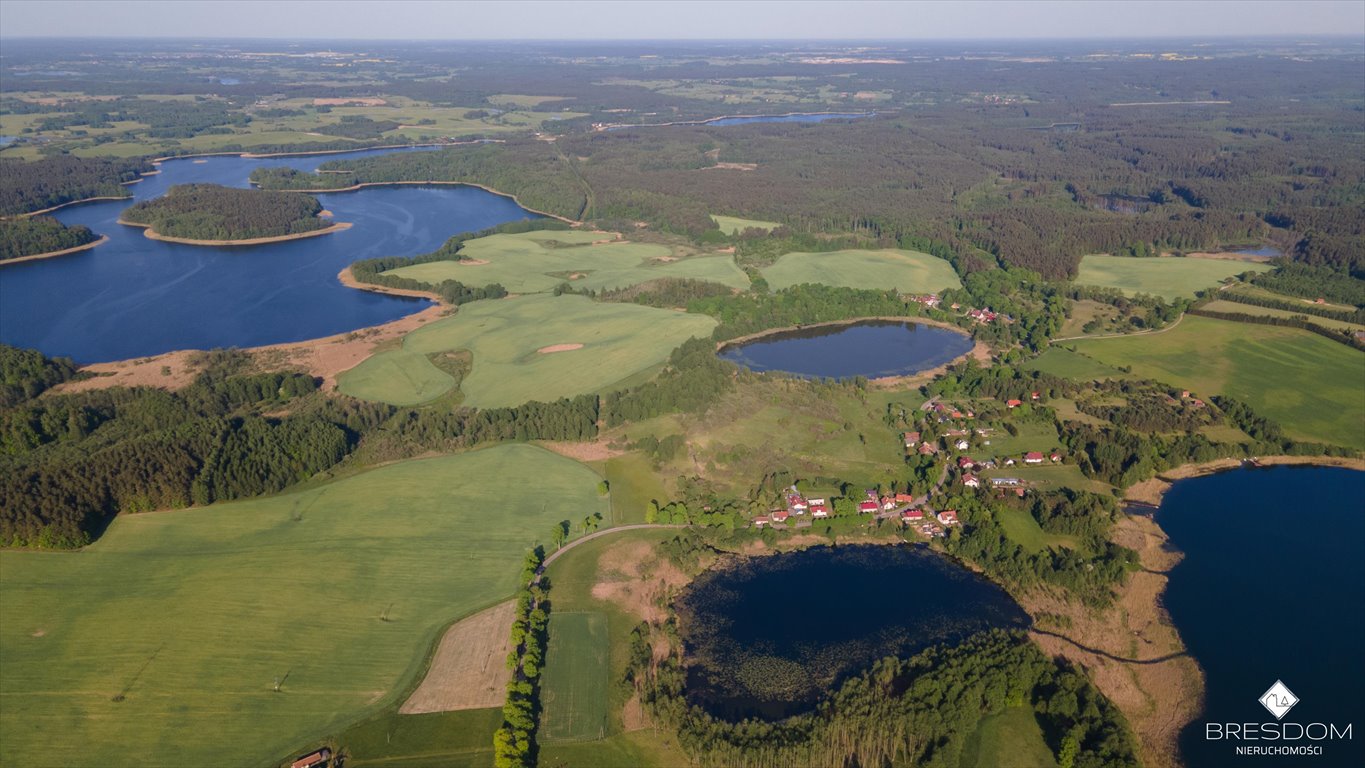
1033 457
912 515
1034 396
1055 457
314 760
868 507
888 503
1009 462
962 445
971 481
780 516
796 504
911 439
927 449
1006 482
819 510
762 520
814 502
948 517
904 498
1013 403
965 462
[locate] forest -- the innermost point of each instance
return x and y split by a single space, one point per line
213 212
33 186
32 235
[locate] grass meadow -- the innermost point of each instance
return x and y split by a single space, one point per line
1169 278
397 377
1012 737
238 633
1238 308
537 262
907 271
619 341
1069 364
573 693
1310 385
733 225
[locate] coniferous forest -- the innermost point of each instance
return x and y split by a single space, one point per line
213 212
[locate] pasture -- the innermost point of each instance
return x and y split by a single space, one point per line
573 693
618 342
1012 737
1050 477
1023 530
733 225
1069 364
396 377
1169 278
245 630
537 262
906 271
1310 385
1238 308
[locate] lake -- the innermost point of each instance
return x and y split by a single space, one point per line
1272 587
135 297
872 348
770 636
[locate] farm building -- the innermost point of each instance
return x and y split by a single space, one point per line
313 760
1033 457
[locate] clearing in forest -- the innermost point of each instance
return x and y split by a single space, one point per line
1169 278
1308 384
469 670
618 341
537 262
905 271
295 614
733 225
574 691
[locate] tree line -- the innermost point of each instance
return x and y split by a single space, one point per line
27 186
514 743
40 234
214 212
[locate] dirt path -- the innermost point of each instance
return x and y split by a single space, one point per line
1170 327
606 531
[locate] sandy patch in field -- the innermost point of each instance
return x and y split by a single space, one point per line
1158 697
472 262
596 450
732 167
553 348
632 575
38 633
364 102
469 670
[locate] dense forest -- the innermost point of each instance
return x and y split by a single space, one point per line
916 711
26 373
213 212
32 235
32 186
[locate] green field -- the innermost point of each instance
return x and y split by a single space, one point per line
1068 364
1010 739
163 643
573 693
1050 477
619 341
1034 435
906 271
1310 385
537 262
1169 278
1238 308
733 225
1023 530
461 739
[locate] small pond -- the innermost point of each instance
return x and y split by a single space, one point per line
770 636
873 348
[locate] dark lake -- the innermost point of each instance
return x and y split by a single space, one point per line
1272 587
770 636
873 349
134 297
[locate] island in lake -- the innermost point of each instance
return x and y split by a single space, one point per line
210 214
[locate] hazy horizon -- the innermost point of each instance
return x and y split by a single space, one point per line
682 20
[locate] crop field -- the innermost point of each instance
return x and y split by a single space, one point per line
574 691
1238 308
396 377
469 669
247 629
537 262
1012 737
1310 385
461 739
1169 278
907 271
1069 364
732 225
617 342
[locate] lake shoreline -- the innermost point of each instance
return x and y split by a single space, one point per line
499 193
64 252
1151 492
152 234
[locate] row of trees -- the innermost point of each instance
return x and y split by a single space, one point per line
40 234
514 742
214 212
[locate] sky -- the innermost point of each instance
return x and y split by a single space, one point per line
680 19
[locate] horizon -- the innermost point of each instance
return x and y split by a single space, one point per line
684 20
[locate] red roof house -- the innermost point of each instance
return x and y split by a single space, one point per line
948 517
912 515
319 757
780 516
904 498
819 510
1033 457
971 481
1013 403
965 462
867 507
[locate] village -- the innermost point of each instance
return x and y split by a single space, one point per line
946 438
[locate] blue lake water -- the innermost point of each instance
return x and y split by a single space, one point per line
874 348
770 636
1272 587
134 297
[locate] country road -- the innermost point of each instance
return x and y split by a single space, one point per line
1120 335
638 526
